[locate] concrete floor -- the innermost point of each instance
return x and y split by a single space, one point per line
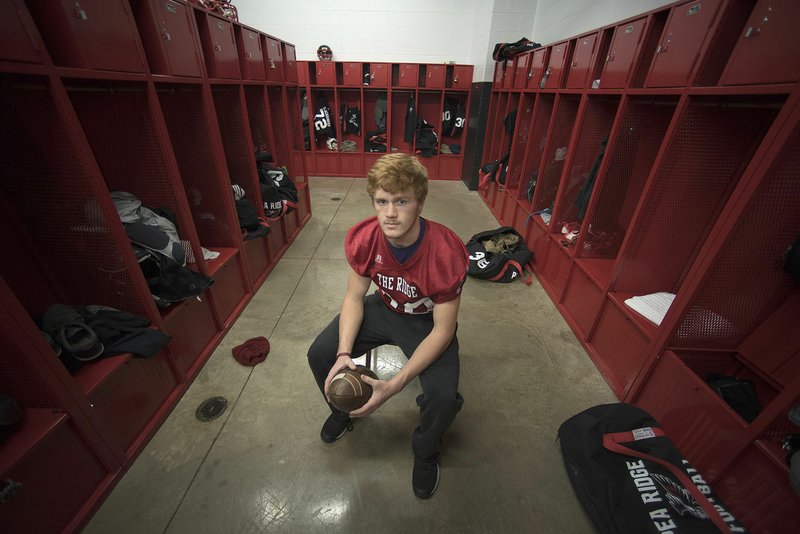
261 466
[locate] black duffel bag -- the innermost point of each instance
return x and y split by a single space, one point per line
498 255
631 479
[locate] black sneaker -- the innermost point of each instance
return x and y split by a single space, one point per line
425 477
335 426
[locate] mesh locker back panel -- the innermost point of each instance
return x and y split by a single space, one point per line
713 143
70 229
566 110
119 124
279 128
257 117
538 137
294 131
641 131
594 129
520 142
228 104
725 311
188 125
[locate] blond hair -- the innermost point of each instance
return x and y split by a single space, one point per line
398 172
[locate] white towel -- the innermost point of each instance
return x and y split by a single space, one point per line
653 306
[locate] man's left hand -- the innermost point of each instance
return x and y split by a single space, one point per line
382 391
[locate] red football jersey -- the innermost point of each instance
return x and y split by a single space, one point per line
435 273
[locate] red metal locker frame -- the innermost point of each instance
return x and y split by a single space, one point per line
408 75
582 61
767 48
219 46
273 60
19 40
92 34
462 77
170 38
351 75
290 64
621 56
380 74
434 78
539 58
251 56
560 56
326 73
683 42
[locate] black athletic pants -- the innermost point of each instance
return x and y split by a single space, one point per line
440 400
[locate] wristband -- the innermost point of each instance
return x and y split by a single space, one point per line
343 354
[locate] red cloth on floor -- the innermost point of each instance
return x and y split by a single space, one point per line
252 352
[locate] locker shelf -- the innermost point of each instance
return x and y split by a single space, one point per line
90 376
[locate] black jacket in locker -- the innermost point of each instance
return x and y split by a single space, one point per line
323 125
453 117
411 121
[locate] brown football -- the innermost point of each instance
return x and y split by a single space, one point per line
347 392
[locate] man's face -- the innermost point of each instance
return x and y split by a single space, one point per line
398 215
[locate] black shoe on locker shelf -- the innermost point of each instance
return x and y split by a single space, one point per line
70 331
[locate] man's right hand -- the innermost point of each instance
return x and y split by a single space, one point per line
340 363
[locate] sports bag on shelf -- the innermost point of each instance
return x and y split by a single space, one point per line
631 479
499 255
504 51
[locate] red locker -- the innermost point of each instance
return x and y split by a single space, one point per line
536 68
274 60
351 74
191 325
620 56
219 45
18 40
290 63
379 74
251 56
581 62
326 73
681 43
583 300
509 69
522 71
767 51
90 34
555 69
169 38
435 76
409 75
462 77
302 72
499 70
59 470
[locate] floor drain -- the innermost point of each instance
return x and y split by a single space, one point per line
336 198
211 408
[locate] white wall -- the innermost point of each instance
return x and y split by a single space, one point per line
429 31
559 19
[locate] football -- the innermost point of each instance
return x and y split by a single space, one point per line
347 392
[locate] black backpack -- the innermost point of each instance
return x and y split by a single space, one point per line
278 191
494 171
505 259
631 479
169 282
427 140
